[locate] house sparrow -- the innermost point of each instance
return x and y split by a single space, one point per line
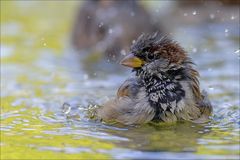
165 86
103 30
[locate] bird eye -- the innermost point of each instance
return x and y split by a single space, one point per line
150 56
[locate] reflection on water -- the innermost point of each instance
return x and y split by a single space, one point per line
46 97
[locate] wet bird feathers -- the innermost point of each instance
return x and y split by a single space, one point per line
165 88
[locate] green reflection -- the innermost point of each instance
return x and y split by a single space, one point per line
31 29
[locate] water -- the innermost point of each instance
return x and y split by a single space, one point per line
46 99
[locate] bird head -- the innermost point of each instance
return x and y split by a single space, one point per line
155 53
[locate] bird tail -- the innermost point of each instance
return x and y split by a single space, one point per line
205 104
205 107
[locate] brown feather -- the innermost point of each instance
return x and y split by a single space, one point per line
173 52
123 91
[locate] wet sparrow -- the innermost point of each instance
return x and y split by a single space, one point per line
165 86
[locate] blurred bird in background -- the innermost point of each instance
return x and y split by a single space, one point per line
104 29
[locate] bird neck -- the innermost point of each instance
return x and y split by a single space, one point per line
151 78
160 81
163 89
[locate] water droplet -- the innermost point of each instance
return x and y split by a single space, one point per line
212 16
194 13
123 52
133 41
226 32
66 108
85 76
44 44
110 31
232 17
237 51
185 14
194 50
100 25
211 88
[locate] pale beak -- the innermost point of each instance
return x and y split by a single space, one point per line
132 61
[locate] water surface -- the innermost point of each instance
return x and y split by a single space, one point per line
39 73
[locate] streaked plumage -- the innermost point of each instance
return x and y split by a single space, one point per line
165 87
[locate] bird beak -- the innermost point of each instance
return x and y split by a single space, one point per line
132 61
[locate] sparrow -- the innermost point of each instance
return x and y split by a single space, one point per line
103 30
164 87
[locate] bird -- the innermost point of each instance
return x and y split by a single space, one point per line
105 28
164 86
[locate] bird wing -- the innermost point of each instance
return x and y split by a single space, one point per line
205 104
205 107
129 107
129 88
